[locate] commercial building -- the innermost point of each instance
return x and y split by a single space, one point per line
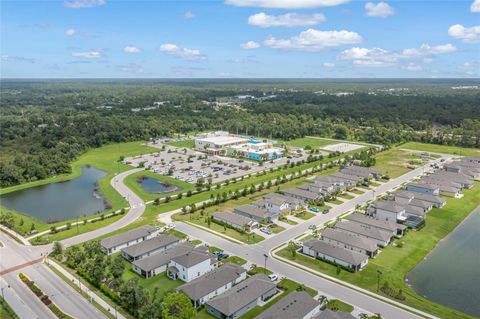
216 143
242 298
297 305
113 244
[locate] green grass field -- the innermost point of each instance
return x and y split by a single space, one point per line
395 262
394 162
455 150
131 182
105 158
183 144
314 143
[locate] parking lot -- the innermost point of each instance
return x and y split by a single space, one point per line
189 165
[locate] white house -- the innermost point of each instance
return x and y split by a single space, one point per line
113 244
191 265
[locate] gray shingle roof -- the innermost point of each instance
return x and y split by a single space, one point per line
254 211
127 236
280 197
193 257
301 193
329 314
348 239
232 218
349 256
164 257
423 185
377 223
295 305
388 205
151 244
420 196
364 230
211 281
242 294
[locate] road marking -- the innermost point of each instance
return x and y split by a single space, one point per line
17 267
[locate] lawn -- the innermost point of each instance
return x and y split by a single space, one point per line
276 228
357 191
161 282
131 182
394 162
455 150
287 286
314 143
338 305
183 144
336 202
346 196
236 260
105 158
305 216
395 262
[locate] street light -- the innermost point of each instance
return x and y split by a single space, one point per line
266 257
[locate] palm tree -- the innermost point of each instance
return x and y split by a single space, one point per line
323 300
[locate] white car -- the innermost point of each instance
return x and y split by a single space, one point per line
273 277
170 226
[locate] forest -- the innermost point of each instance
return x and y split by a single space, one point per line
46 124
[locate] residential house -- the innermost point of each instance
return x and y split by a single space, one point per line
423 188
387 210
346 258
380 237
462 179
236 221
445 187
436 201
242 298
394 228
157 263
255 213
296 305
347 241
351 178
329 314
149 247
214 283
192 264
301 194
470 171
275 205
364 172
293 203
114 243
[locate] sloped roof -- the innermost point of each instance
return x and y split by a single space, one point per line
301 193
127 236
349 256
377 223
232 218
348 239
295 305
148 245
364 230
254 211
163 258
193 257
329 314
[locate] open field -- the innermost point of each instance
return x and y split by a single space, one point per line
395 262
131 182
314 143
105 158
394 162
183 144
455 150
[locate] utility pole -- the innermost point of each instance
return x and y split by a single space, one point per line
379 273
77 224
265 268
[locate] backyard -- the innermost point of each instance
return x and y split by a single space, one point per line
395 162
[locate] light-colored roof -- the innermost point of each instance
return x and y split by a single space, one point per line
163 258
254 211
296 305
193 257
280 197
223 140
415 210
211 281
242 294
149 245
421 196
348 256
388 205
423 185
301 193
345 238
127 236
232 218
377 223
329 314
363 230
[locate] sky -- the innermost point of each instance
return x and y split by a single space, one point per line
240 39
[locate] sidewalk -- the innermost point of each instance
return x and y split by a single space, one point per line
14 233
91 295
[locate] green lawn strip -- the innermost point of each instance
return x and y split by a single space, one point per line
6 311
338 305
9 234
357 191
305 216
346 196
336 201
160 282
183 144
236 260
288 286
287 220
214 249
276 228
97 291
105 158
314 143
395 262
203 314
229 232
81 292
394 162
259 270
195 242
131 182
455 150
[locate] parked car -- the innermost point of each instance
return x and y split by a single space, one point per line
266 230
273 277
326 211
312 227
366 184
170 226
385 177
314 209
221 255
298 244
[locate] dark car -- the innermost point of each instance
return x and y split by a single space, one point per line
385 178
325 211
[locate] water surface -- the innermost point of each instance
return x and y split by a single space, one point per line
451 273
153 185
59 201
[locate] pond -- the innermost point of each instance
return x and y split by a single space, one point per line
153 185
60 201
450 275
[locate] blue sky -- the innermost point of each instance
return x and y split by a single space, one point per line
239 38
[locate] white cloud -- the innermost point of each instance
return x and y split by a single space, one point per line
81 4
250 45
94 54
131 49
70 32
475 7
314 40
413 67
286 4
377 57
286 20
381 9
12 58
130 68
468 35
189 15
328 65
179 52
